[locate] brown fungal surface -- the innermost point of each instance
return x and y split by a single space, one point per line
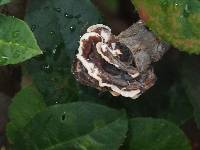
105 63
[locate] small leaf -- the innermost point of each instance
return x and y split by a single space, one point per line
2 2
26 104
74 126
17 42
155 134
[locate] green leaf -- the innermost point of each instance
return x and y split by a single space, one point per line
58 34
2 2
179 109
176 21
155 134
191 81
26 104
17 42
75 126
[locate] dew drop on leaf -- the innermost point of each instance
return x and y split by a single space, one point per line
58 10
33 27
63 117
72 28
47 68
186 12
54 51
176 5
52 33
69 16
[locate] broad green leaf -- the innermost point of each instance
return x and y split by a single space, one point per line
75 126
2 2
26 104
176 21
191 80
155 134
58 34
17 42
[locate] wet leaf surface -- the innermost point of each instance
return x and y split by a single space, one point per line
26 104
58 36
74 126
155 134
17 42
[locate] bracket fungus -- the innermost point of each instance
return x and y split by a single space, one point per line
118 64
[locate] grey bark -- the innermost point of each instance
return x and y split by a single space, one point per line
145 46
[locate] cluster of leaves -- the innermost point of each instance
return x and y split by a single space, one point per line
58 113
83 125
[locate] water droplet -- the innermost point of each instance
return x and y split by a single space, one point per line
176 5
63 117
54 51
72 28
186 12
69 16
33 27
58 10
47 68
187 8
47 52
52 33
3 59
